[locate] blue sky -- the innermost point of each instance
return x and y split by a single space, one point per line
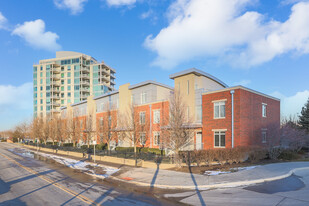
260 44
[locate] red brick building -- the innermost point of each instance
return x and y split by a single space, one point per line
238 116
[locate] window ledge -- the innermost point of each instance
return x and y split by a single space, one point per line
219 117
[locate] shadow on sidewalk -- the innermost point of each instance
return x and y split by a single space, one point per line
153 181
196 188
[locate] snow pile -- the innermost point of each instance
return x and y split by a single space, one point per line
89 168
22 152
236 169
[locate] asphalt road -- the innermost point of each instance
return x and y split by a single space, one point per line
291 191
27 181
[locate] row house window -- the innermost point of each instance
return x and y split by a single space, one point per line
143 97
156 116
142 117
219 109
264 135
264 109
156 138
219 138
142 138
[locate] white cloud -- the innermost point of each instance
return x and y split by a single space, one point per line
244 82
33 32
291 106
16 104
3 21
75 6
147 14
120 2
223 29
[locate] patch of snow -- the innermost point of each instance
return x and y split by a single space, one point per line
236 169
81 165
212 173
22 152
88 168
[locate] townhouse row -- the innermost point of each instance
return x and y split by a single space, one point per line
220 116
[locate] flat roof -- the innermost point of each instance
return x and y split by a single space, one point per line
198 73
244 88
150 82
78 103
106 94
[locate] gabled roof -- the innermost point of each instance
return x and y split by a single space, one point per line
150 82
198 73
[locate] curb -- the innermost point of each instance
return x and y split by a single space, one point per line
213 186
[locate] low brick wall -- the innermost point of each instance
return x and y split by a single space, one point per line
117 160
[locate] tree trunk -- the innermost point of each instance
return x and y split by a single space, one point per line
135 156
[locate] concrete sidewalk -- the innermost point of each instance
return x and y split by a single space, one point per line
179 180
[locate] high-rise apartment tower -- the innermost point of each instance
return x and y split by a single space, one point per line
69 78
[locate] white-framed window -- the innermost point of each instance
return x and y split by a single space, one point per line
156 116
142 138
132 99
219 138
102 107
143 97
142 117
219 109
156 138
264 135
264 109
101 121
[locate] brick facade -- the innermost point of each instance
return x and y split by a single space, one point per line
248 120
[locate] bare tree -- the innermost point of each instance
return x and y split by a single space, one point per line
89 128
106 125
178 134
133 128
36 128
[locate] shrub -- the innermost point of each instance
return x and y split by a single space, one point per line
67 144
84 147
221 155
101 147
257 154
274 152
125 149
288 155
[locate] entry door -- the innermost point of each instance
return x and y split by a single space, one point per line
199 142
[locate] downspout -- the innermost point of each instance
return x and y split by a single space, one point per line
150 126
232 94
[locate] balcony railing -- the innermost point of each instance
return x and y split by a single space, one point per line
54 90
85 83
85 70
55 76
85 76
55 97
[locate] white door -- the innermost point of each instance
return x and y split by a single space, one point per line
198 143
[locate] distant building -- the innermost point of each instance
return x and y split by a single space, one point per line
222 116
69 78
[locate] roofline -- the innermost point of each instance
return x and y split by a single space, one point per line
244 88
78 103
150 82
198 73
106 94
